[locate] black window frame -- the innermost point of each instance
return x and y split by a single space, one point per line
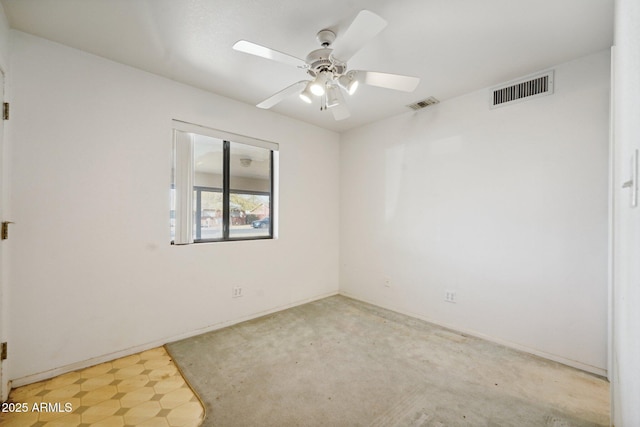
226 196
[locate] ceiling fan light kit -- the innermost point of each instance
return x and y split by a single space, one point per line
328 67
318 86
332 96
306 94
349 82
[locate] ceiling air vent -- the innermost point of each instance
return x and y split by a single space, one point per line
424 103
539 85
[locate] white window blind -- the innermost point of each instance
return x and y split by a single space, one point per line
183 148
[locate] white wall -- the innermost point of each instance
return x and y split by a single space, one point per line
626 232
507 207
93 273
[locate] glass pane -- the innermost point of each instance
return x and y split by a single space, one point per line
250 196
210 214
207 186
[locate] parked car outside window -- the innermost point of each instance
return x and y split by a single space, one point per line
261 223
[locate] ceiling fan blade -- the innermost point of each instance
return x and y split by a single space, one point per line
364 27
265 52
388 81
340 110
282 95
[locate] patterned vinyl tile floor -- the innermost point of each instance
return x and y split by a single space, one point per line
144 389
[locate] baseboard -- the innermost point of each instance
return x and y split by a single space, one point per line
41 376
572 363
249 317
29 379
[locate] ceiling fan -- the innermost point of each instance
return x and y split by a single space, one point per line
327 67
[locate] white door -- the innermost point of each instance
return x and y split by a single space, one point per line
3 387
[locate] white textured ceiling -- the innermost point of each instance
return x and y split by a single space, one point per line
454 46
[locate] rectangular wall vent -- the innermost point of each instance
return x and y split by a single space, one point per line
424 103
531 87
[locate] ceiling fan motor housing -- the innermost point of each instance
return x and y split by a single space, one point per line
320 60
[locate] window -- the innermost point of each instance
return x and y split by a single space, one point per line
222 186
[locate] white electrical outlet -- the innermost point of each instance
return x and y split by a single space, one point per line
450 296
236 292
